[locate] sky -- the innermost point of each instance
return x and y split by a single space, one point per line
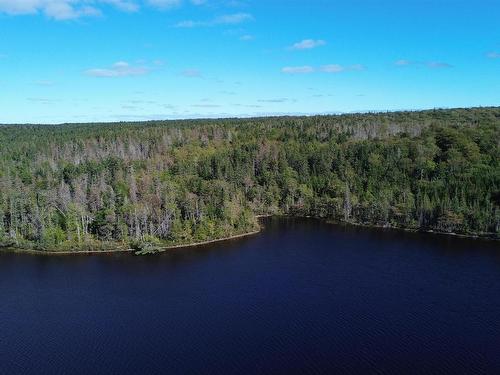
121 60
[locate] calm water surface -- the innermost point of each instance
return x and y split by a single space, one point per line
301 297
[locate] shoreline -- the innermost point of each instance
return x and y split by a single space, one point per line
127 250
476 236
236 236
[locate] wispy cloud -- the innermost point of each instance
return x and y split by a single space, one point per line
44 82
247 37
164 4
438 65
493 55
227 19
336 68
118 69
187 24
307 44
136 101
321 95
233 19
206 105
402 62
56 9
331 68
247 105
43 100
131 107
298 69
236 3
428 64
191 73
72 9
277 100
123 5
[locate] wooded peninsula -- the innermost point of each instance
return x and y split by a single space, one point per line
148 185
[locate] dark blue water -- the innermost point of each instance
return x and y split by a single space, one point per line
301 297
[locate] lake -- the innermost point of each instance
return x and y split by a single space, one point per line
303 296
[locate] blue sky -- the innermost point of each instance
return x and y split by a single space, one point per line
109 60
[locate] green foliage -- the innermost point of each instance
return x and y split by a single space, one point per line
147 245
53 237
171 182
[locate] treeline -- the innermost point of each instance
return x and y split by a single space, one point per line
147 184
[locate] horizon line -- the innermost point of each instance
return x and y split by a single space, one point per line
253 116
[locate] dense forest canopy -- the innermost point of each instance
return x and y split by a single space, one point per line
80 186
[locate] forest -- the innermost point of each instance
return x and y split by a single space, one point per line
146 185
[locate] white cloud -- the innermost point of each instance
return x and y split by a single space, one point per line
493 55
20 7
60 10
57 9
332 68
308 44
119 69
233 19
298 69
336 68
71 9
227 19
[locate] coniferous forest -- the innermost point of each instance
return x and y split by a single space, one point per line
151 184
